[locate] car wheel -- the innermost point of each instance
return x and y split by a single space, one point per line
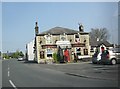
113 62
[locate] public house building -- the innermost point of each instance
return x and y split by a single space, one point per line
48 42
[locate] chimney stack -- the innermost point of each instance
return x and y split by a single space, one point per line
81 28
36 28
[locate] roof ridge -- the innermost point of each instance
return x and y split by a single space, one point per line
58 29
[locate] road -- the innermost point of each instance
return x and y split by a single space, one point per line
21 74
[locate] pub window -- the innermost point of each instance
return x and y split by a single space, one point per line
42 55
48 39
78 51
49 52
70 40
49 55
92 49
40 42
85 51
62 37
77 38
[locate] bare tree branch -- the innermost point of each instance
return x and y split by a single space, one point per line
101 34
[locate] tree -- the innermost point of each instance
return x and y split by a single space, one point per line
99 34
17 54
5 56
21 54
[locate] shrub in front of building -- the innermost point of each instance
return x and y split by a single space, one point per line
55 58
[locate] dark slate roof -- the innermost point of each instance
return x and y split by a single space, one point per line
61 30
98 43
106 43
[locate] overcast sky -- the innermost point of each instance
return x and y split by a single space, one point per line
18 19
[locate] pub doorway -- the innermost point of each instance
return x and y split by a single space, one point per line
64 51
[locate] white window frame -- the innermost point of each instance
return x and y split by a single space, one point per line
63 35
77 38
51 39
49 53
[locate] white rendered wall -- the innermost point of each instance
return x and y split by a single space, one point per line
30 51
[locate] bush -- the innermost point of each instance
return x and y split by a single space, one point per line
5 56
55 57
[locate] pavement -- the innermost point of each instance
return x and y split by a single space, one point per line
86 70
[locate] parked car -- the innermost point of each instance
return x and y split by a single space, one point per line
96 58
20 59
110 57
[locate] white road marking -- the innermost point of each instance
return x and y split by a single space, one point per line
8 73
12 84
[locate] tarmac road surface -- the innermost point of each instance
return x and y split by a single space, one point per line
21 74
